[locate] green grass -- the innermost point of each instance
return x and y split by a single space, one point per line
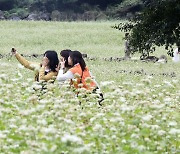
89 37
140 113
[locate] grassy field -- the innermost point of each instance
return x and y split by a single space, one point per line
89 37
140 113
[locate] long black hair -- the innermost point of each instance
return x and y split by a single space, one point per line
76 57
53 59
65 54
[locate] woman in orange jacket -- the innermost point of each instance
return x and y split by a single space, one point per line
79 68
43 71
79 71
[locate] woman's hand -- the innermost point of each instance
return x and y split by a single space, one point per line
58 67
62 63
45 61
13 51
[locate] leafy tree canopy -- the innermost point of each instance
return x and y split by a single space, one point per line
6 4
9 4
157 25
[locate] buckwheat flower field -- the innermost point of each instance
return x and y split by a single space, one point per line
140 113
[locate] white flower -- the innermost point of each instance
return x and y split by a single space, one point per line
174 131
26 152
37 86
157 106
175 81
167 83
157 86
106 83
113 137
1 100
92 119
147 81
167 99
147 117
161 132
12 126
3 76
68 121
154 127
123 141
71 138
147 139
5 64
42 122
25 112
127 83
97 127
84 149
53 148
134 144
116 119
9 86
43 101
141 147
22 128
20 66
136 136
2 136
49 130
126 108
122 99
33 98
172 123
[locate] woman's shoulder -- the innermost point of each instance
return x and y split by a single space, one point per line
76 68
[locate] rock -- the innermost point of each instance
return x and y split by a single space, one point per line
149 59
90 15
2 15
44 16
101 16
55 15
14 17
1 56
33 16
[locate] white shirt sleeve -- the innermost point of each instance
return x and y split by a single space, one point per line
66 76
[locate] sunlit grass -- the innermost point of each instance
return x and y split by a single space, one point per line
89 37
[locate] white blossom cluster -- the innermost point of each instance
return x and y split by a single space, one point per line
137 116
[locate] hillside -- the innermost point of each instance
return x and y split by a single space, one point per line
68 10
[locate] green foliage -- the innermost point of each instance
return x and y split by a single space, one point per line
130 2
6 4
105 7
157 25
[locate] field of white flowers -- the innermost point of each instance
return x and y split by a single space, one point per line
140 113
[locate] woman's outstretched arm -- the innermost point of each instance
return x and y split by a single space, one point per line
24 62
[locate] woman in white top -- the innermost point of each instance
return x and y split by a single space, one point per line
176 54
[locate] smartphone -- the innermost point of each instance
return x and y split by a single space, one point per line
13 50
